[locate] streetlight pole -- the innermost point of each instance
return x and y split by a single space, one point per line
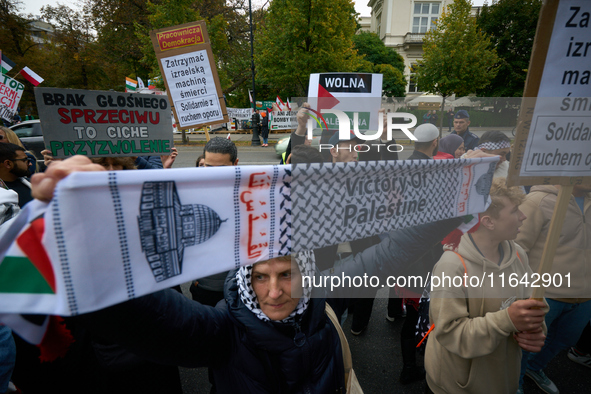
255 127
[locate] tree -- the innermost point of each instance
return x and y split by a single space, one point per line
162 14
115 21
458 57
381 59
13 28
511 26
75 50
301 37
228 30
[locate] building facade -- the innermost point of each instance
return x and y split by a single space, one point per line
402 24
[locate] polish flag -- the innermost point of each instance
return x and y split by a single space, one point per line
288 105
31 76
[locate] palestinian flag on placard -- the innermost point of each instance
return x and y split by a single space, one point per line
27 272
7 64
130 85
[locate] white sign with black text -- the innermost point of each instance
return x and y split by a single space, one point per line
559 141
192 88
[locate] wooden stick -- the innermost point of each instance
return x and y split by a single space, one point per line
207 137
553 237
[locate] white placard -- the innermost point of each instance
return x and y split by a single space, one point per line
283 120
348 92
240 113
559 140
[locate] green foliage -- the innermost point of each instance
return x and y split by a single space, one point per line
13 29
394 83
227 26
458 57
375 51
301 37
75 51
162 14
98 43
377 58
511 26
114 22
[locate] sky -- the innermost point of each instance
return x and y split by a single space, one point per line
33 6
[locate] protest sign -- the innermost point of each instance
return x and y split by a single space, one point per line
240 113
348 92
100 124
11 92
283 120
155 229
190 75
553 141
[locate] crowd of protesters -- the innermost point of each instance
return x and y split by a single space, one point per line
245 326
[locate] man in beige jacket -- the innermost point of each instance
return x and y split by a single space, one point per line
569 293
482 317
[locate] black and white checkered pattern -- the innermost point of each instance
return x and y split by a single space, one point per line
319 197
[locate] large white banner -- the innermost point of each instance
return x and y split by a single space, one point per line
334 203
107 237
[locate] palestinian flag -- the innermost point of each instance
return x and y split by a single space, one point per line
130 85
7 64
27 272
26 269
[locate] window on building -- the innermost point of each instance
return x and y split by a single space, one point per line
424 15
379 26
412 81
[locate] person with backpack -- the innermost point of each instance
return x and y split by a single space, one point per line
476 325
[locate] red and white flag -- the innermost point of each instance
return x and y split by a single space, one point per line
31 76
280 104
251 102
288 105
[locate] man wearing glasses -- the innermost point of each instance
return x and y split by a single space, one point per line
14 168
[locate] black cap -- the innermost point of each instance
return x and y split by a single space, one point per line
462 114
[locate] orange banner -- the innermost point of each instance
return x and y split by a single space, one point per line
179 38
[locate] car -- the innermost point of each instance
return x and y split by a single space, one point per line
281 145
31 136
